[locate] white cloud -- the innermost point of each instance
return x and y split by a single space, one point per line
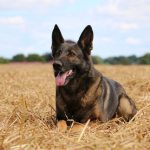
19 4
133 41
127 9
16 21
123 14
126 26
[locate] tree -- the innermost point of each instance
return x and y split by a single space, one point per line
97 60
34 58
47 57
133 59
3 60
18 58
117 60
110 60
123 60
145 59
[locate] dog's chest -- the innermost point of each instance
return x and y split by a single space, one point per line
79 104
79 107
77 112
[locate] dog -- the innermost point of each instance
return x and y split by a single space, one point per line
83 93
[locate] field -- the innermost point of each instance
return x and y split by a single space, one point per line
27 111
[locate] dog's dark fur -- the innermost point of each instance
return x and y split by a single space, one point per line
87 94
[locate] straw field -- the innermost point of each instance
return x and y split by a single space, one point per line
27 112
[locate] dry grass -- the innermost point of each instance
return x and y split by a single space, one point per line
27 93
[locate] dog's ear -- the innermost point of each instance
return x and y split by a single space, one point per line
57 39
85 41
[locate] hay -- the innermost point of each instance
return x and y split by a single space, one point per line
27 112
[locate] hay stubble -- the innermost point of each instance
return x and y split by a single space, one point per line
27 111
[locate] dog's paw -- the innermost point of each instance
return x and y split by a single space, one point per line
76 128
62 126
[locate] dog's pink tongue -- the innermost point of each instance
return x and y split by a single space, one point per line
60 79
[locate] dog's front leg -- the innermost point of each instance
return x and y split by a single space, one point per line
62 125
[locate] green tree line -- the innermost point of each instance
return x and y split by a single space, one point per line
133 59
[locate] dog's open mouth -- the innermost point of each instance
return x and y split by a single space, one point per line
61 78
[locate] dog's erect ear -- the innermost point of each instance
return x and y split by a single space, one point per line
86 40
57 38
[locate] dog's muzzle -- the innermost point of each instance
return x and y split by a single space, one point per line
57 65
61 76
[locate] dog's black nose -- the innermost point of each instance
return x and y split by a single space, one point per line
57 65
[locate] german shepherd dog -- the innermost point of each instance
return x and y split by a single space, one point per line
83 93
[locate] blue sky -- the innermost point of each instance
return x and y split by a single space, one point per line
121 27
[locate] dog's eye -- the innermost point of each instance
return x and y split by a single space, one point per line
71 53
58 53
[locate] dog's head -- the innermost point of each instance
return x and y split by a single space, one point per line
71 59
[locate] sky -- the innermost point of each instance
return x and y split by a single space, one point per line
121 27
